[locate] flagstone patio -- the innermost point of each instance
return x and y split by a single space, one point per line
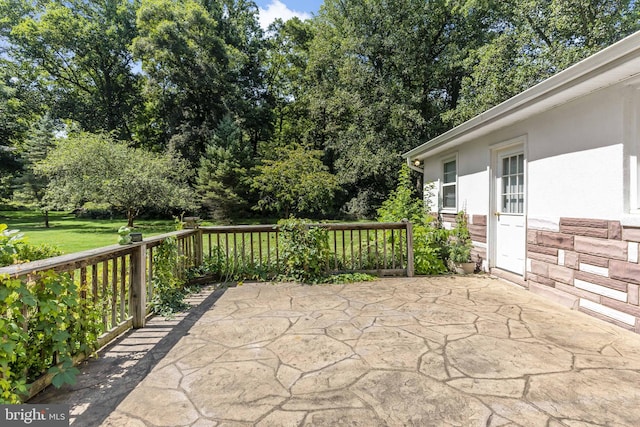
444 351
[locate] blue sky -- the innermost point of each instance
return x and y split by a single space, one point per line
286 9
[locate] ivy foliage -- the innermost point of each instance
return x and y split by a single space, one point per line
304 250
46 321
168 280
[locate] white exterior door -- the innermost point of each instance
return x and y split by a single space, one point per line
509 214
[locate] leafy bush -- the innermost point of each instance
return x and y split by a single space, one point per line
402 203
304 250
92 210
430 249
14 248
430 240
45 322
234 267
9 242
28 252
460 240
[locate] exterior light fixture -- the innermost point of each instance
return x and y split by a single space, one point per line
417 162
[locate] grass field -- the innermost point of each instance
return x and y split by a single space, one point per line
71 234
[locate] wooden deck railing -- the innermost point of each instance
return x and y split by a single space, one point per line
376 248
120 277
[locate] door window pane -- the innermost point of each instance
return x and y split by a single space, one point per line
521 164
512 185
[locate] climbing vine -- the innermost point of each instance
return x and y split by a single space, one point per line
168 279
304 250
46 321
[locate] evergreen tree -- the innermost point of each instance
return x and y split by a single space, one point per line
224 167
30 186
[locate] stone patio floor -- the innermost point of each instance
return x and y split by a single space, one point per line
445 351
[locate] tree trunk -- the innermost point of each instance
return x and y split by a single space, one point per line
46 218
130 217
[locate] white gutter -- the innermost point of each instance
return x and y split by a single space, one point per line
605 61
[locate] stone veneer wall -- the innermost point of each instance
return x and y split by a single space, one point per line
592 264
478 231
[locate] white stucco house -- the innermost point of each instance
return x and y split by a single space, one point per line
550 180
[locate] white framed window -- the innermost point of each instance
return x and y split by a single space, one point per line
450 184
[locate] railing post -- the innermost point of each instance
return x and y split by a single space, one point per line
409 231
138 291
198 247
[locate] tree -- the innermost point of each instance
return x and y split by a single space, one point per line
186 62
222 183
30 185
88 167
286 64
380 74
19 106
203 61
251 102
77 52
296 182
530 41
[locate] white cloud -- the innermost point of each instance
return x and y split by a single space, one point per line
277 9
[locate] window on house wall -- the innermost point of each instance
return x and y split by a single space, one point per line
449 184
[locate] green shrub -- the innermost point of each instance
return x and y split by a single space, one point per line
28 252
430 240
304 250
9 242
232 267
45 322
460 240
14 249
430 249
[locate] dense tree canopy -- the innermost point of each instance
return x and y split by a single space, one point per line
258 113
77 53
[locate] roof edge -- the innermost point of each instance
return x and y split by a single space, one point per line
625 47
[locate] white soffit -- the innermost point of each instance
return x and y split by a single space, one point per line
612 65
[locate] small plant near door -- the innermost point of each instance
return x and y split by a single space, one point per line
461 245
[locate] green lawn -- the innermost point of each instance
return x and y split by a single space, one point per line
71 234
